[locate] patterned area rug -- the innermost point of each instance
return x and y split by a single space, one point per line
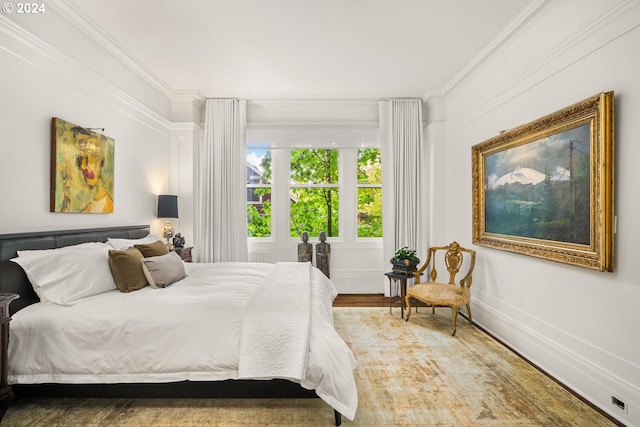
409 374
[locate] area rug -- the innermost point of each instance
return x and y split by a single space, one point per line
409 374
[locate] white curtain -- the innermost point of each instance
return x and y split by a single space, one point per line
404 186
221 216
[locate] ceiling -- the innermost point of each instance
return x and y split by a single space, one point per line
303 49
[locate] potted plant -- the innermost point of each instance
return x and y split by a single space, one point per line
405 260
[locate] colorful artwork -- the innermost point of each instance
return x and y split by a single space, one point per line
541 189
82 169
545 188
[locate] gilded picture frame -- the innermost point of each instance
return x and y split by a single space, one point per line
546 188
82 169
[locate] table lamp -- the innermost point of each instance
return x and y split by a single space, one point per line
167 208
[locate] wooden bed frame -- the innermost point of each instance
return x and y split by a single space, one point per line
14 281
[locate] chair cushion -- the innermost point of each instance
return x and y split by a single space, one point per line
434 293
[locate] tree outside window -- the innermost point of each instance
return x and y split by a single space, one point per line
369 193
258 192
314 183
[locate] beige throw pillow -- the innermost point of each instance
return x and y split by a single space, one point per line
161 271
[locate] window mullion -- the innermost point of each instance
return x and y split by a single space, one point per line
315 186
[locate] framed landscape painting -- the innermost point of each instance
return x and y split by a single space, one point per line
82 169
545 188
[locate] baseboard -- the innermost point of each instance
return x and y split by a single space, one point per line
358 281
589 382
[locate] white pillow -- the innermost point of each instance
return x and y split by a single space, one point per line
67 275
122 244
30 252
163 270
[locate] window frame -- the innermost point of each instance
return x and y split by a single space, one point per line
347 188
250 186
367 185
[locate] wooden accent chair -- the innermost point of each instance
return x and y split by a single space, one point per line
441 294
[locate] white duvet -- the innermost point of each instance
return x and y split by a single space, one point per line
188 331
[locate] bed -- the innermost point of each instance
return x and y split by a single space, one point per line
224 330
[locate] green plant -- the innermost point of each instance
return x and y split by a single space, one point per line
406 253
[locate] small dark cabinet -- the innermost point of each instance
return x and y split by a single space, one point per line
6 394
185 253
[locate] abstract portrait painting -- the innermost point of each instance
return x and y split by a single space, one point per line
82 169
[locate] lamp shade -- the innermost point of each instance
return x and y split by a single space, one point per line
167 206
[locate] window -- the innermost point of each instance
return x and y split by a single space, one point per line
258 192
369 193
291 190
314 187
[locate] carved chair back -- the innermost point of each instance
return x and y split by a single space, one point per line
451 259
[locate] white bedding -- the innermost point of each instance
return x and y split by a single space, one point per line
188 331
274 342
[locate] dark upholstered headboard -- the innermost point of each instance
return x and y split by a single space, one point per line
12 277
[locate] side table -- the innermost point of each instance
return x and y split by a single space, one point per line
6 394
185 253
399 278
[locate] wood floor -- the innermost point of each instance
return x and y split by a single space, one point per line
361 300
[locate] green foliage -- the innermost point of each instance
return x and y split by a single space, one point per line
369 198
405 253
267 175
314 209
318 166
369 167
257 225
369 212
259 221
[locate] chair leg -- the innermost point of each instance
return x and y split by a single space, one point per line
407 301
455 318
469 313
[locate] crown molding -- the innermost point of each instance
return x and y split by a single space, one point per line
311 125
70 12
432 94
40 54
186 126
494 47
188 95
562 54
312 113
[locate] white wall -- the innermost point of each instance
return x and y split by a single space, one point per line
51 69
184 139
577 324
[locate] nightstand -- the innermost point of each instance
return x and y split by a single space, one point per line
6 394
185 253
